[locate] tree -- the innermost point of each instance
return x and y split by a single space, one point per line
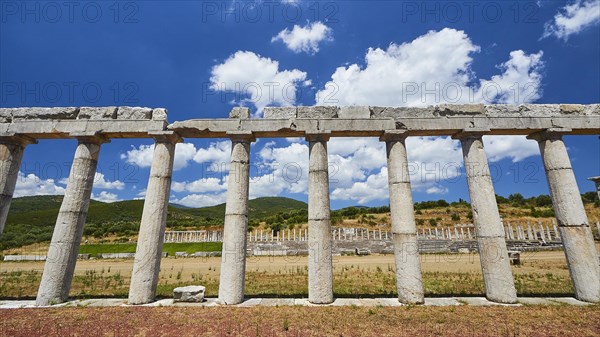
543 200
516 199
501 200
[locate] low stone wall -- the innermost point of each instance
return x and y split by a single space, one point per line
291 248
24 257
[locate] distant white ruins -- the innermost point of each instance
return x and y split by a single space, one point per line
92 127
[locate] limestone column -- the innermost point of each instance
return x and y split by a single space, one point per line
233 259
148 253
576 234
596 181
64 247
320 267
404 229
497 273
11 153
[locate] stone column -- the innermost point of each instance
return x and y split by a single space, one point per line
320 266
233 260
497 273
148 253
404 229
576 234
64 247
11 153
596 181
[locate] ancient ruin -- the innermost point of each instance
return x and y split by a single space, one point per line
92 127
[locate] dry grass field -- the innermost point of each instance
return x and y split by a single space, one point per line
541 274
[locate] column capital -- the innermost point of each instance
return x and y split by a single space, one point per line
595 179
471 133
554 133
90 137
165 137
317 136
241 136
11 138
393 135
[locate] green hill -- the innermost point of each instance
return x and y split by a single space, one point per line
257 208
32 219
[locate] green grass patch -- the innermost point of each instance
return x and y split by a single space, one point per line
170 248
191 248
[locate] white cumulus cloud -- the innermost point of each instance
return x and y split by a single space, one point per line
516 148
203 185
573 18
106 197
142 155
31 185
101 183
305 39
200 200
217 155
256 80
433 68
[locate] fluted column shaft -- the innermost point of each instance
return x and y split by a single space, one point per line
320 267
64 247
233 258
11 153
404 229
148 254
576 234
495 264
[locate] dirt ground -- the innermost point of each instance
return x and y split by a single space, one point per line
303 321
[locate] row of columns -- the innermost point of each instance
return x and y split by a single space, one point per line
516 232
193 236
499 285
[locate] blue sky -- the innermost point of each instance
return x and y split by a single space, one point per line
199 59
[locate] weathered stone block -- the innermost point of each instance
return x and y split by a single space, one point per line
460 109
501 109
591 109
571 108
97 113
189 294
354 112
362 251
402 112
126 112
43 113
159 114
539 109
239 112
318 111
279 112
5 116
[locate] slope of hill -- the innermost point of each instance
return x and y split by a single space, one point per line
257 208
32 219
